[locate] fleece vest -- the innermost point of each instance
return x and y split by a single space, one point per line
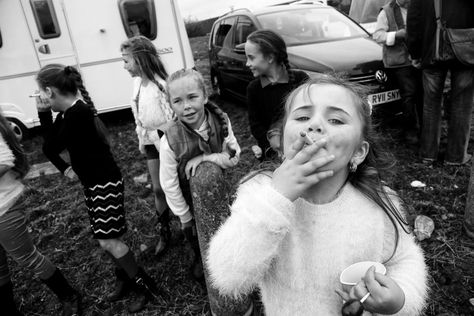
186 143
397 55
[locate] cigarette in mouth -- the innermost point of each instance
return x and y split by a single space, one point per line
307 138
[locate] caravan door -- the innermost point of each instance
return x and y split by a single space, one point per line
49 31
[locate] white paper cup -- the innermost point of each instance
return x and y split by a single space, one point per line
355 272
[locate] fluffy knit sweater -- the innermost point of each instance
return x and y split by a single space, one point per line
295 251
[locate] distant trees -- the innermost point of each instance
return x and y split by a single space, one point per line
196 28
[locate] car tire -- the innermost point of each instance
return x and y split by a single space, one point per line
18 128
218 86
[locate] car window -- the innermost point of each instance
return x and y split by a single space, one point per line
243 28
138 17
304 26
45 17
223 34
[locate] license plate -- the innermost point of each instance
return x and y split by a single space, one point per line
384 97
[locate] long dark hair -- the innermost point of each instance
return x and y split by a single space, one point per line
146 56
68 80
272 45
367 177
21 163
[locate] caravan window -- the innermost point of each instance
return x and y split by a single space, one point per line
138 17
45 18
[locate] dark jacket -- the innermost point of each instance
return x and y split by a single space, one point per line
78 131
265 104
421 25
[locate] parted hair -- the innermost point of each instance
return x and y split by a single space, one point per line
272 45
68 80
368 176
21 163
199 79
146 56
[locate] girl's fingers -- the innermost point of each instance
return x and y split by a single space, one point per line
372 284
312 166
317 177
305 154
343 295
296 147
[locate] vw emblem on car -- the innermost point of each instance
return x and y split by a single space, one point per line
381 76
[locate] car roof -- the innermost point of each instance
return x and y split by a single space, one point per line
274 8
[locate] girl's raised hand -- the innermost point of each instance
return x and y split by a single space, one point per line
386 296
191 166
299 170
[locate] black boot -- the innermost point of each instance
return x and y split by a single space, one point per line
69 297
146 290
123 285
8 306
196 269
164 232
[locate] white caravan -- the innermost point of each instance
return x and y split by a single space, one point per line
86 34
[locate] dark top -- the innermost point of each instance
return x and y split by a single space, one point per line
80 131
266 104
421 24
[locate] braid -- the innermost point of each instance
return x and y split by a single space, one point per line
214 108
291 75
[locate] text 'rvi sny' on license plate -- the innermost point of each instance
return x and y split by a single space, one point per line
384 97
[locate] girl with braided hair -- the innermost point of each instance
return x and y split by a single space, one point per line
201 132
78 129
268 61
151 111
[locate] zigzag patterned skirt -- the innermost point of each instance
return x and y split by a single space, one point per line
106 212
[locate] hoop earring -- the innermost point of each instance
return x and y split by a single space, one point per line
352 167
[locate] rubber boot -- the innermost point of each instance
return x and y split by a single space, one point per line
146 290
123 285
8 306
196 269
69 297
164 232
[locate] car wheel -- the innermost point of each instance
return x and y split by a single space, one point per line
18 128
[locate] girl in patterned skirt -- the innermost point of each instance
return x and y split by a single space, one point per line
78 129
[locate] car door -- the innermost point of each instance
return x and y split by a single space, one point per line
223 52
49 31
239 73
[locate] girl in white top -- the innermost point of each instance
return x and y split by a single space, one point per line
151 111
292 232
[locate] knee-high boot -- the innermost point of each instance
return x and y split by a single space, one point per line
164 231
146 289
8 306
196 269
69 297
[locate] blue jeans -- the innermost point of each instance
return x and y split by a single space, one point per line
16 241
459 123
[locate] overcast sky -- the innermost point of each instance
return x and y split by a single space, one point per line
204 9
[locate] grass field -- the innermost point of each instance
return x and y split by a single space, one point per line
59 225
